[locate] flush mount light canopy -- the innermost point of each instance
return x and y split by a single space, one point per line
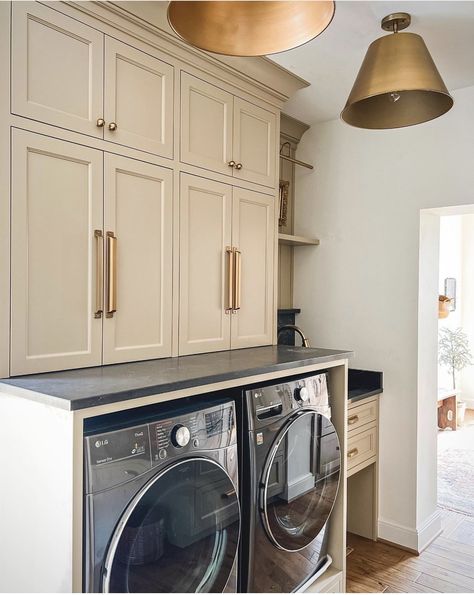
250 28
398 83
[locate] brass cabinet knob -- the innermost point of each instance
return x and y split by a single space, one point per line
112 126
100 122
238 166
231 163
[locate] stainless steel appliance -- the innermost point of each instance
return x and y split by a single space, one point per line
161 509
290 466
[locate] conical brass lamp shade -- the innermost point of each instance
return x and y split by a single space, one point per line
398 85
249 28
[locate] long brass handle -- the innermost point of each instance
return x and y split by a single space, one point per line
99 273
230 279
353 419
352 453
237 279
111 274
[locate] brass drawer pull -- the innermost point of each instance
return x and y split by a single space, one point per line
352 453
111 274
353 419
112 126
237 279
230 279
99 273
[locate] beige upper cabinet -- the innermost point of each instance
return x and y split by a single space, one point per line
138 108
205 234
57 68
226 297
253 235
254 143
226 134
56 206
206 125
138 260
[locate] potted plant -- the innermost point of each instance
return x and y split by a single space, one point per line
455 355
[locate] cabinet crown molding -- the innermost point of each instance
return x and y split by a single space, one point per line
261 72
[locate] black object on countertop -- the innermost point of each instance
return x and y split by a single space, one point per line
89 387
363 384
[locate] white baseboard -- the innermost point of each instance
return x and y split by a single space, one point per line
407 537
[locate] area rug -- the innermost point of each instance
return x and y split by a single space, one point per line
456 469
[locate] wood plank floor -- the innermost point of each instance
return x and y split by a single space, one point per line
446 566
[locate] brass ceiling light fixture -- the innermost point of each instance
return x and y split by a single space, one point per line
398 83
249 28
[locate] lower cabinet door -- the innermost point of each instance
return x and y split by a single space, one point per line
138 260
56 206
253 235
205 234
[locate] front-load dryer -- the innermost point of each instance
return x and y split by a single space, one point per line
290 467
161 505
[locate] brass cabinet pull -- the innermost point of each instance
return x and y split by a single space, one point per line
237 279
231 163
112 126
100 122
353 419
99 273
111 274
352 453
238 166
230 279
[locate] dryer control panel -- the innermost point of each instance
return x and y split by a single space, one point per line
269 402
119 455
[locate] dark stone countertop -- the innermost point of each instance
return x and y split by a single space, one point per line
89 387
363 384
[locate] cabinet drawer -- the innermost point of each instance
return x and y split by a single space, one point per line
361 447
360 415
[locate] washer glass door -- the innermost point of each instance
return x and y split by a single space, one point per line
178 535
300 481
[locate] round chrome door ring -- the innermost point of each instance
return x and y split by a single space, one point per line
266 473
117 534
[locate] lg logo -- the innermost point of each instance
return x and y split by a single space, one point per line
100 443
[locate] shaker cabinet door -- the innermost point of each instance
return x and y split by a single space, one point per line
56 206
138 260
253 235
138 104
205 234
57 69
254 143
206 125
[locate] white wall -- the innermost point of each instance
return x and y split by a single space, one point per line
359 289
467 309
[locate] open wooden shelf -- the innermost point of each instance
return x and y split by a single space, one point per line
291 240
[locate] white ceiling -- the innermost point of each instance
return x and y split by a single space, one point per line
331 61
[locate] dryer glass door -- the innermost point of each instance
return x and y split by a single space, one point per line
179 534
300 481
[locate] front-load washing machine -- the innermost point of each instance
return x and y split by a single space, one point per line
161 506
290 467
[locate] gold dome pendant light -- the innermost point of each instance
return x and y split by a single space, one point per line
398 83
250 28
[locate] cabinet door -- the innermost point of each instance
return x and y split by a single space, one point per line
56 206
206 125
138 99
253 234
57 69
255 143
137 206
205 233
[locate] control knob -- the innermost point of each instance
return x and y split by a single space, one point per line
180 436
301 394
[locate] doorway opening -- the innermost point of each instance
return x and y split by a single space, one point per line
455 398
